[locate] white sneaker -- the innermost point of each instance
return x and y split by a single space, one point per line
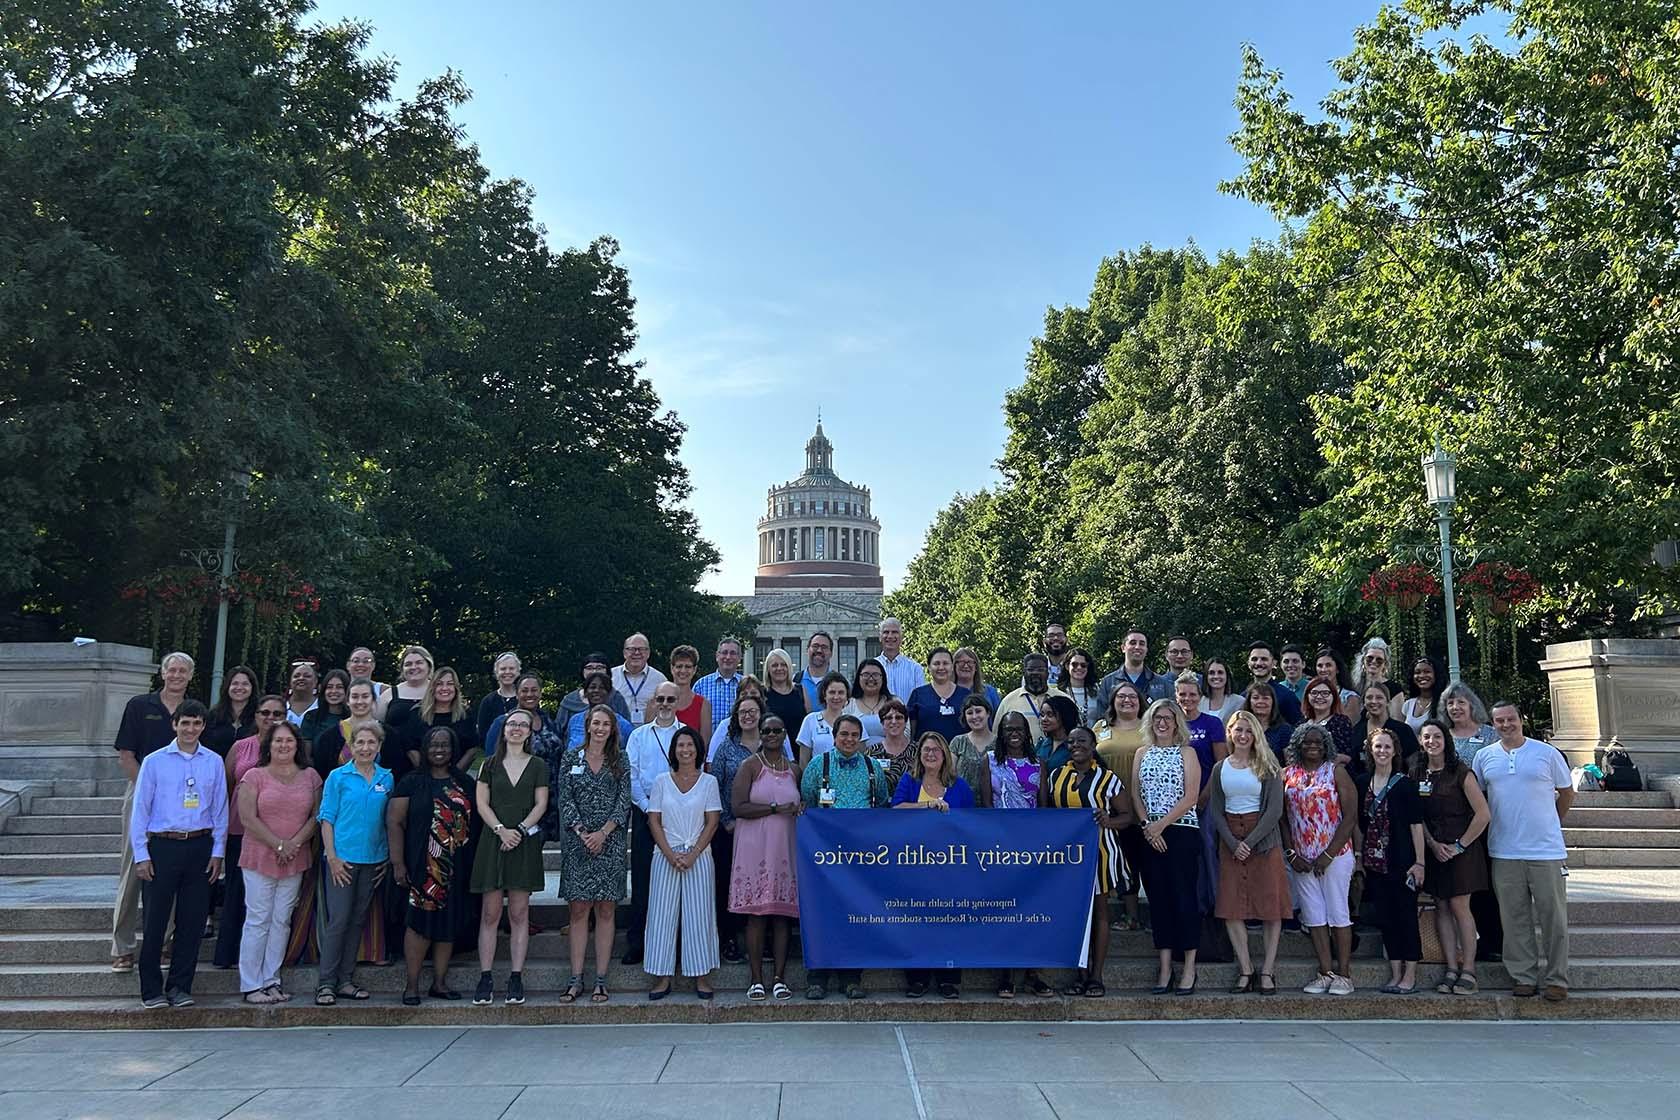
1320 986
1340 985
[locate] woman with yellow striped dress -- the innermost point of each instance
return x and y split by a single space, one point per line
1083 783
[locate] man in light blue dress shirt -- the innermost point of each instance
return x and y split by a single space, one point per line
178 830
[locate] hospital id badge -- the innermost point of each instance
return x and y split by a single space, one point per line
190 801
1425 788
825 797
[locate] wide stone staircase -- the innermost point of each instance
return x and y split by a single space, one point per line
58 864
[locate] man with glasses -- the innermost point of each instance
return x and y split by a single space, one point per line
1528 793
817 652
1179 656
636 680
648 750
720 687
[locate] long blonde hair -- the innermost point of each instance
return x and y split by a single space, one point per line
1263 761
428 702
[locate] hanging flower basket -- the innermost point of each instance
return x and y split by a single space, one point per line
1503 585
1406 585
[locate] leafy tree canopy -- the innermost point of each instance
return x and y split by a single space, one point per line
226 250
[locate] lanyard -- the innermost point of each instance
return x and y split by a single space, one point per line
636 692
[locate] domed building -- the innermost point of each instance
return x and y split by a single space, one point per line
819 565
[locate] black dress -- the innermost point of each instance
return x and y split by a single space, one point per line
790 708
222 735
410 736
1387 856
435 836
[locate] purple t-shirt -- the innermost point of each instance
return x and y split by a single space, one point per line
1205 731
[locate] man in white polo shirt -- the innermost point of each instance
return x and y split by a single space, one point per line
1528 793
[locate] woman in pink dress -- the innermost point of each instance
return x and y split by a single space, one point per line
762 883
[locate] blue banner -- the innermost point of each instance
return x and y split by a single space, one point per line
973 888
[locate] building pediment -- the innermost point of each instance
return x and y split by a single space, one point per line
794 607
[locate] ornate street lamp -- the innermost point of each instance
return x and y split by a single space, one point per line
223 560
1441 484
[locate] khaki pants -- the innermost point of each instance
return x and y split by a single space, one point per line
1532 891
125 915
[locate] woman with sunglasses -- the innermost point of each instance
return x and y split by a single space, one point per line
242 756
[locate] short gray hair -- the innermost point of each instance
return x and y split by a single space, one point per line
178 655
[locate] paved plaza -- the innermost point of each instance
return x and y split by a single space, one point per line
1056 1071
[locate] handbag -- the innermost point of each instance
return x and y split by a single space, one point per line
1428 936
1620 774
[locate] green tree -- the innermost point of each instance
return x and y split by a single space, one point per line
1160 453
225 248
1491 245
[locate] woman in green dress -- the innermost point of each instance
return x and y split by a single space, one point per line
512 797
594 793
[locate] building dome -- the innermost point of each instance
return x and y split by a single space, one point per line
817 530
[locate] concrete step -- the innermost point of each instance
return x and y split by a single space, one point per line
1644 799
73 825
1624 857
82 981
53 865
61 843
1625 940
78 806
93 945
1622 837
1586 817
90 787
1623 912
543 1008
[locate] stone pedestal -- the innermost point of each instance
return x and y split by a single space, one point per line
60 705
1621 688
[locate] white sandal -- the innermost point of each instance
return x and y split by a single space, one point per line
782 991
755 992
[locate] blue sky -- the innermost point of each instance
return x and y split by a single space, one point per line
860 206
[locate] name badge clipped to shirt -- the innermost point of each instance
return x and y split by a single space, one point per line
1425 787
576 770
825 797
379 787
189 800
947 710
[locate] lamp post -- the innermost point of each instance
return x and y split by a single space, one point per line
224 559
1441 483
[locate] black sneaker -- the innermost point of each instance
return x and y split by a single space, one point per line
152 1003
515 990
486 993
179 999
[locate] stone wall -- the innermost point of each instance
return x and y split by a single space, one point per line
60 704
1621 688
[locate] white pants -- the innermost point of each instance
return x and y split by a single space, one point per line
1324 898
268 926
686 901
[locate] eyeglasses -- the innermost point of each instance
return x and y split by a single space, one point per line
664 699
274 713
774 731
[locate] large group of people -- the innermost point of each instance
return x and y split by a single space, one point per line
348 820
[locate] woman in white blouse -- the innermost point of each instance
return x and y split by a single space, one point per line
816 732
683 812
